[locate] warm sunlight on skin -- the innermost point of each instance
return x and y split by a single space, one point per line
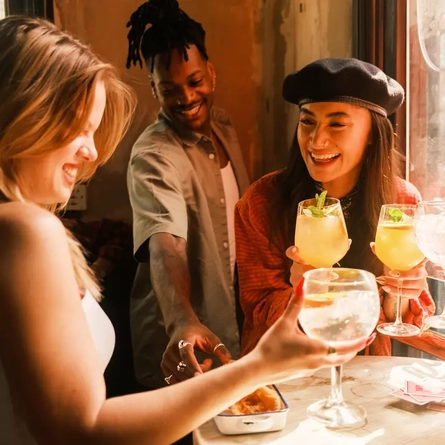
333 137
185 89
50 177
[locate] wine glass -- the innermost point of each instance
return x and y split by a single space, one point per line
340 305
396 247
429 229
320 231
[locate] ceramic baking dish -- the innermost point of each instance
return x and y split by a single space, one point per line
230 424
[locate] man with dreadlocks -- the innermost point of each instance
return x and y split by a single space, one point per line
185 175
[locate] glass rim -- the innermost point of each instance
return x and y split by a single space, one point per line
327 199
399 206
360 279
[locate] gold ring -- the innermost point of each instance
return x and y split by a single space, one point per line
332 351
217 346
167 379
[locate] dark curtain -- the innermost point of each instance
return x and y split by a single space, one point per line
379 37
40 8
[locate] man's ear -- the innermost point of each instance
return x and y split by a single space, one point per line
153 88
211 70
212 74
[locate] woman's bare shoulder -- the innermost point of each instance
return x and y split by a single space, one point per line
19 220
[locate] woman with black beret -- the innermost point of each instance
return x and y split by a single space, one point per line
344 143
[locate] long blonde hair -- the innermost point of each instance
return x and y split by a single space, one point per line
47 81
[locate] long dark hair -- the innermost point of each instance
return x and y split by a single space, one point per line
381 166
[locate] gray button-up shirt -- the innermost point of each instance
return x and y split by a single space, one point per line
175 186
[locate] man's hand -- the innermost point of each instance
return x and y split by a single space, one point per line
179 360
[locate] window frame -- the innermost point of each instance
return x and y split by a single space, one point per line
39 8
381 37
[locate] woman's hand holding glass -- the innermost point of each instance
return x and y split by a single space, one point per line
285 352
404 275
298 268
340 306
413 280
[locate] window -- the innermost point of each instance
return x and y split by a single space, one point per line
2 9
426 97
41 8
406 38
380 38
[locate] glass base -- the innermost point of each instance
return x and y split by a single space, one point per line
398 330
437 321
343 415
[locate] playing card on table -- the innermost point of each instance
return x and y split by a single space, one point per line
436 406
416 389
402 395
422 394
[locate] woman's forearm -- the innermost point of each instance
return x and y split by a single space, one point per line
164 416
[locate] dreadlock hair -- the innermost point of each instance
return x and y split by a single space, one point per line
171 28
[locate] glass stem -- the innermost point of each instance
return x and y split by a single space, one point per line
398 321
336 397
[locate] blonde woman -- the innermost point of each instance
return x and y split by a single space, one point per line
62 113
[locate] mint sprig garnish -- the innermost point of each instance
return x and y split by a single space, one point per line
317 210
396 215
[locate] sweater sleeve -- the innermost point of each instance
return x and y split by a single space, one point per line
262 266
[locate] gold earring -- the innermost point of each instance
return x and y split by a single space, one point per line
154 93
214 83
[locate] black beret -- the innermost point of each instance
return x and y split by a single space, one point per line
344 80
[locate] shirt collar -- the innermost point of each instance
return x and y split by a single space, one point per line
188 137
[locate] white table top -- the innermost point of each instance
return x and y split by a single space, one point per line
367 381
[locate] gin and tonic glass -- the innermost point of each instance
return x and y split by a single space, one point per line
340 305
429 229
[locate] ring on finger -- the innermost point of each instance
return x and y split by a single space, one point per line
181 366
167 379
218 346
182 344
331 351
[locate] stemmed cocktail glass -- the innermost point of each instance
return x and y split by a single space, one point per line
340 305
396 247
320 231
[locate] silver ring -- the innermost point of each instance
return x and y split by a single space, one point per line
181 366
217 346
167 379
332 351
182 344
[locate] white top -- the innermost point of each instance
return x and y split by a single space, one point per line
231 193
12 429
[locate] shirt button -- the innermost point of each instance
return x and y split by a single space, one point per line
231 288
226 245
222 200
211 156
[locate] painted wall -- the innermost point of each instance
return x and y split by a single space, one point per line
253 44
